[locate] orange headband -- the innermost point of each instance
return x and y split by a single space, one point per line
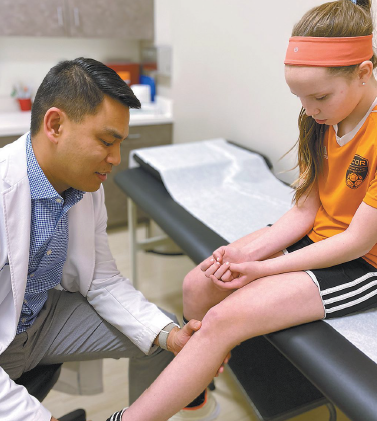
328 52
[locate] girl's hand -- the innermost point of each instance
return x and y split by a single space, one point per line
229 254
221 255
222 272
209 265
241 275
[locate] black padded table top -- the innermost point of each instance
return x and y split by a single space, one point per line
345 375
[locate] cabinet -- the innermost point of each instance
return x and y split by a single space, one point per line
78 18
111 18
32 18
139 137
4 140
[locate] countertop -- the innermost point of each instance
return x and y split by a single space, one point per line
18 122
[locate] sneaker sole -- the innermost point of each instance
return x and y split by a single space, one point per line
214 414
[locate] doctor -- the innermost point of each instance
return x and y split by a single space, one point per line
53 232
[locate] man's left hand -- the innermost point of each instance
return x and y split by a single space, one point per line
178 338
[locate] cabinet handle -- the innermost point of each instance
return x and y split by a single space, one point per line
76 16
60 16
134 136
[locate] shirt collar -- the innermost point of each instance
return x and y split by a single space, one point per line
343 140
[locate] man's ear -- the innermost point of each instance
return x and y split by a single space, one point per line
53 123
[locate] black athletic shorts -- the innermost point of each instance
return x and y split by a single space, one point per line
346 288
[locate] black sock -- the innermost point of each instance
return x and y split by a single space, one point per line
200 399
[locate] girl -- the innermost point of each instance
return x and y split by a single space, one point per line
319 260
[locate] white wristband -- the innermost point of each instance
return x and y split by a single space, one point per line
163 335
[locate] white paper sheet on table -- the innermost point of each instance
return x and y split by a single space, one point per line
233 192
220 183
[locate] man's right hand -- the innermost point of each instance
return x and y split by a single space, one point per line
178 338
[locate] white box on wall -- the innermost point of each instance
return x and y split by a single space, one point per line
164 60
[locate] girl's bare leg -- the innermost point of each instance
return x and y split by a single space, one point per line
199 292
263 306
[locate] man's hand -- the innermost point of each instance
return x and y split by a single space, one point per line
221 369
178 338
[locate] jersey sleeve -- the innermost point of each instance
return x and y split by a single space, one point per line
371 194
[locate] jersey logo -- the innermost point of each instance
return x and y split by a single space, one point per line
357 172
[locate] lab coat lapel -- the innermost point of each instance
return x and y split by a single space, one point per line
17 214
17 226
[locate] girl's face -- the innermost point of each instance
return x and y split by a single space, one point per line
329 99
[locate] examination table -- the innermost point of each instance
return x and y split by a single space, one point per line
273 370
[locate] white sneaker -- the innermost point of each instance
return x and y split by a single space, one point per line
209 410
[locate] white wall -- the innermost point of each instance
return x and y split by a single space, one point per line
27 59
228 73
163 23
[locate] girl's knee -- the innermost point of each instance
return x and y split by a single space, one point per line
217 327
190 282
216 320
199 294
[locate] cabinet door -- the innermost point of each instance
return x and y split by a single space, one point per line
139 137
132 19
5 140
32 18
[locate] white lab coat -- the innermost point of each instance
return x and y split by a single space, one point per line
89 269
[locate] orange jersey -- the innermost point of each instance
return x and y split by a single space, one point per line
348 178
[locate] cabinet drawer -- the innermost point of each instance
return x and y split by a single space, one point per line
145 137
4 140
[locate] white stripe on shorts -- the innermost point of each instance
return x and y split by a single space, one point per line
347 295
350 284
352 303
351 294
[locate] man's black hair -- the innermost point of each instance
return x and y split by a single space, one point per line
78 87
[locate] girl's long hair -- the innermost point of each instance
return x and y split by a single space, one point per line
340 18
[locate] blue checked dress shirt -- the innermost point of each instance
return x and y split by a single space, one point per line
48 238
